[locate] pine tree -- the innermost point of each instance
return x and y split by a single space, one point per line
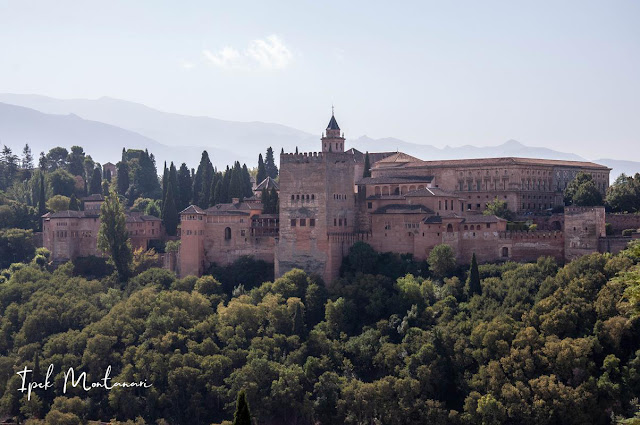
122 179
270 164
184 187
42 162
473 281
262 171
367 166
27 162
242 415
95 185
113 237
73 203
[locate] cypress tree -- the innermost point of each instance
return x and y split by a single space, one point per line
246 182
95 186
226 183
218 192
236 189
105 187
270 164
474 278
274 200
42 199
262 171
184 187
242 415
266 202
113 237
367 166
200 181
122 179
73 203
169 211
165 176
298 321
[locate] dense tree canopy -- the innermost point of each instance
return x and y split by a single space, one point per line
582 191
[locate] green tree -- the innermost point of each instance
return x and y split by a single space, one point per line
170 216
113 237
76 161
367 166
184 187
235 184
202 181
61 182
498 208
270 164
95 184
57 158
473 282
363 258
242 415
582 191
442 261
58 203
74 205
247 186
42 199
122 179
262 171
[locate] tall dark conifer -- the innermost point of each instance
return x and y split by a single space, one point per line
474 278
185 187
270 164
122 179
262 171
367 166
202 181
247 186
95 185
169 210
242 415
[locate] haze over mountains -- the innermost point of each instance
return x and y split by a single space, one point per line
104 126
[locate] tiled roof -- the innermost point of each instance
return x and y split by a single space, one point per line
268 183
398 157
430 191
503 161
373 156
403 209
333 124
67 214
94 197
482 219
395 179
192 209
239 208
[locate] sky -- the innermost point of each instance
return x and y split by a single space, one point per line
564 75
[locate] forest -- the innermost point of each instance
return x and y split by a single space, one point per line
503 343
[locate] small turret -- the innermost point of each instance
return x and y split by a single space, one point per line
332 140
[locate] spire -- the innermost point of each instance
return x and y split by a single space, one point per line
333 124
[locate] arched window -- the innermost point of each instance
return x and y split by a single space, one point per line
505 252
466 227
377 190
449 228
385 190
227 233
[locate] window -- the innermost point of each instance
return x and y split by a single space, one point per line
505 252
369 205
303 222
335 221
449 228
242 232
293 222
339 222
227 233
312 222
488 225
313 196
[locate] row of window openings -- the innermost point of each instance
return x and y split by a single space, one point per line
298 197
533 206
387 226
480 186
303 222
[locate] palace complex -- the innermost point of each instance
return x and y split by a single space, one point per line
406 205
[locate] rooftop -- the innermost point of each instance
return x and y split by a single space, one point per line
267 183
403 209
395 179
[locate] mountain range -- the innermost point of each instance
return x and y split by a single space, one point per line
104 126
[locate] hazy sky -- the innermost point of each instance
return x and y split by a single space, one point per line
561 74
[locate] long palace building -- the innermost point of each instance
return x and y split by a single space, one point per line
407 205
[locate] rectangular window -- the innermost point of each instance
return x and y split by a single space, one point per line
293 222
339 222
488 225
369 205
312 222
335 222
303 222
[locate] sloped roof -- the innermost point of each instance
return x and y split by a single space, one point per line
395 179
333 124
373 156
239 208
192 209
94 197
398 157
403 209
67 214
505 161
430 191
267 183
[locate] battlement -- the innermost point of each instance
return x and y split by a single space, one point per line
537 234
581 210
301 157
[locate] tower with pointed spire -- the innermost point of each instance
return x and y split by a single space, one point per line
332 140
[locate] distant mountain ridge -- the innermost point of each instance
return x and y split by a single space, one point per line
103 126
